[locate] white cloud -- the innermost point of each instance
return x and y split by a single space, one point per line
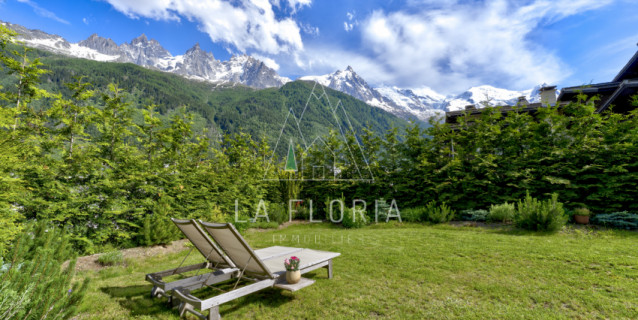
86 21
296 5
43 12
348 26
310 30
452 46
244 24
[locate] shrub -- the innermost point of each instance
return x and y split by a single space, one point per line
438 214
620 220
110 258
535 215
413 214
504 212
352 219
582 212
277 213
34 284
474 215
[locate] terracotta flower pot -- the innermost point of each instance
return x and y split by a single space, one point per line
581 219
293 277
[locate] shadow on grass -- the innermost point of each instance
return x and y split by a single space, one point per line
138 300
269 298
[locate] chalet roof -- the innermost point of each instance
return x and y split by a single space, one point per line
621 98
604 90
629 71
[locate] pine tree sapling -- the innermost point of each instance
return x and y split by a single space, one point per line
34 284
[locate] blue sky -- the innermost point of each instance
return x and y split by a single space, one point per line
446 45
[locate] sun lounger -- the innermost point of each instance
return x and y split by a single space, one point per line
264 268
219 265
219 268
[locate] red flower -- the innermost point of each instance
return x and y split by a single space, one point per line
294 258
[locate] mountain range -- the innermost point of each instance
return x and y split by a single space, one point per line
197 64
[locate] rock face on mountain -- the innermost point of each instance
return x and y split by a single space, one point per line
195 63
99 44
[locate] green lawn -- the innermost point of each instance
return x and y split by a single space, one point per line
415 271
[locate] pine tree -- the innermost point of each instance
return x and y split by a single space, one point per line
34 283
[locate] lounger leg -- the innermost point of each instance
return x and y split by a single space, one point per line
213 313
329 267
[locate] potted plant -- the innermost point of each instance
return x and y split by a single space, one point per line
581 215
293 275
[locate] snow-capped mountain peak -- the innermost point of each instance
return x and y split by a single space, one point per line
194 64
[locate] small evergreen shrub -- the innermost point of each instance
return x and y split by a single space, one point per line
413 214
536 215
277 213
504 212
438 214
350 220
620 220
474 215
34 285
111 258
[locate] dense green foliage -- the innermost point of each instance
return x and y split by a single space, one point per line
33 282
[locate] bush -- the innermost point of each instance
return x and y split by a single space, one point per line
438 214
504 212
352 220
620 220
413 214
110 258
34 284
535 215
474 215
277 213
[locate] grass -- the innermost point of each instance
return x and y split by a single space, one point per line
110 258
415 271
